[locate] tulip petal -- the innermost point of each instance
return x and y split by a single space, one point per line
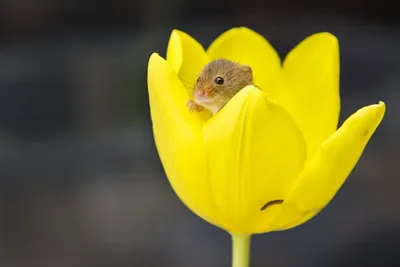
325 173
186 57
247 47
177 134
255 151
311 88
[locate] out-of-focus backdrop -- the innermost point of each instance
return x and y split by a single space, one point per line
80 180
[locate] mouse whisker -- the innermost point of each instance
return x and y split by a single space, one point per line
189 78
187 83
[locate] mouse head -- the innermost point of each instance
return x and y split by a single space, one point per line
220 80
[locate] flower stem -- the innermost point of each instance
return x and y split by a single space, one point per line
240 250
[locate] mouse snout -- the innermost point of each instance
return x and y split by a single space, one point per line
204 92
200 93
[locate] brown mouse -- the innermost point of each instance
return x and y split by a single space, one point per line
218 82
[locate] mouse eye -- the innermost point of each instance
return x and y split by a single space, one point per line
219 80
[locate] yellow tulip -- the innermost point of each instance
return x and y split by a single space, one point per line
273 157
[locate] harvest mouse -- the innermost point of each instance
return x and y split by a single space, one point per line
218 82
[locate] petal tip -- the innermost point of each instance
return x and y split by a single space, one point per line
179 34
377 109
245 30
175 33
240 30
153 67
324 44
154 57
326 36
381 109
173 36
366 120
183 51
326 39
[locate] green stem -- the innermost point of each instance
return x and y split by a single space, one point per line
240 250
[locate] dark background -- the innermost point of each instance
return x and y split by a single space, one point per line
80 179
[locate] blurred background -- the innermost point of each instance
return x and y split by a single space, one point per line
81 183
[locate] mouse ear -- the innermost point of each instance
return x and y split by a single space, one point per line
248 70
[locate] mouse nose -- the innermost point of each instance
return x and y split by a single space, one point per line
200 93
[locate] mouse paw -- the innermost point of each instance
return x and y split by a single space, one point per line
193 106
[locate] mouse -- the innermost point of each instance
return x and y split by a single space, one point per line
217 83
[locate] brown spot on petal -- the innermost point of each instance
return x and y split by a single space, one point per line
270 203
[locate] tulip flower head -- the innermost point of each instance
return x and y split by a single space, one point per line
273 156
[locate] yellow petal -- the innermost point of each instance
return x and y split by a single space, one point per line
186 57
327 171
247 47
254 152
177 134
311 89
